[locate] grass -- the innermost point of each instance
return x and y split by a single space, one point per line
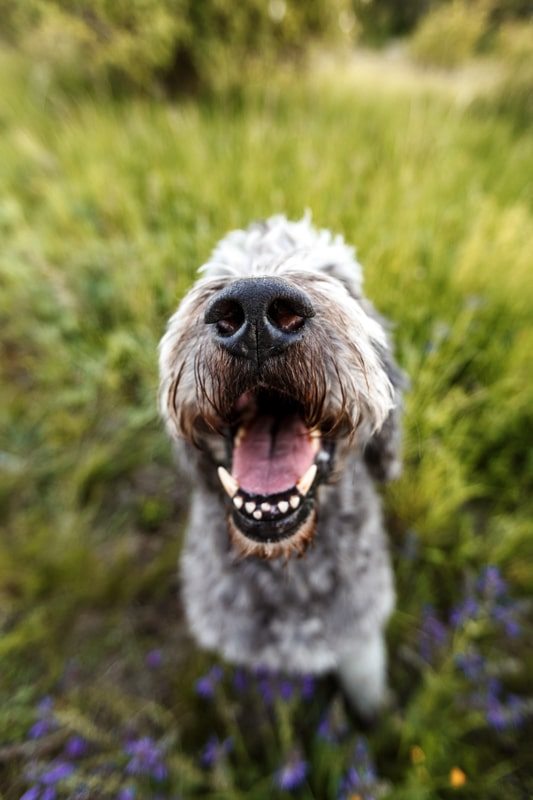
106 209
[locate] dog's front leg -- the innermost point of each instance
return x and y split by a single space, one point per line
362 672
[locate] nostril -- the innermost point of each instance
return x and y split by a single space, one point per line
285 317
228 317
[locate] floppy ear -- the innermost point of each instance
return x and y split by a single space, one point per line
383 452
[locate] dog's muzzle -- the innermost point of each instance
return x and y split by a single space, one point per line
276 461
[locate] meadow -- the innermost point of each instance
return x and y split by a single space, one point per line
107 208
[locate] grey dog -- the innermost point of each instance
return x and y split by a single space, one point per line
280 391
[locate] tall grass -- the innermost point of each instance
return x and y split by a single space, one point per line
106 210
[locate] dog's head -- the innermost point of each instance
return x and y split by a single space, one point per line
273 366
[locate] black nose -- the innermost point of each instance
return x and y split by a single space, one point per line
258 317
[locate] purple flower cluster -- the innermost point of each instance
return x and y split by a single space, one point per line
292 773
45 723
46 779
333 726
489 599
274 686
502 710
360 778
206 685
433 635
47 783
215 751
154 659
486 600
270 685
75 747
146 759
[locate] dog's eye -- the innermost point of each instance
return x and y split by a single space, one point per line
284 317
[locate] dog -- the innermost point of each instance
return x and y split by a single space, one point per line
279 388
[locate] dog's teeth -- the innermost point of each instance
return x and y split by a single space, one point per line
315 438
238 501
229 483
304 484
283 506
294 501
265 507
239 436
257 514
250 507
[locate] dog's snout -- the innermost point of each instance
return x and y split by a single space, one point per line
258 317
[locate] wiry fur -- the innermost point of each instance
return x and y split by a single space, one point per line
327 610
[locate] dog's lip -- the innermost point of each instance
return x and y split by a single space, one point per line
274 531
269 507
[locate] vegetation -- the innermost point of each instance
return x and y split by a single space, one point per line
106 209
181 45
513 95
450 34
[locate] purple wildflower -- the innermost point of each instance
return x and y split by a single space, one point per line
333 725
127 793
495 712
506 616
361 776
206 685
433 634
489 599
292 774
41 728
324 730
307 687
350 783
265 685
240 680
45 723
215 750
154 659
45 706
58 772
491 584
146 759
32 793
286 689
515 710
500 710
466 610
46 782
472 665
76 747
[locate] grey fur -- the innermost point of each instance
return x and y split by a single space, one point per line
327 610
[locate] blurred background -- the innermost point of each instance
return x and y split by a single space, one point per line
133 135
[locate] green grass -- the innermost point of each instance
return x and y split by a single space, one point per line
106 210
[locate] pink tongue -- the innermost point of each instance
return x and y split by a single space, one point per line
271 459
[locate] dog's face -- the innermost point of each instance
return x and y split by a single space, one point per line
275 370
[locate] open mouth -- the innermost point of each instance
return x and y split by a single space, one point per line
277 463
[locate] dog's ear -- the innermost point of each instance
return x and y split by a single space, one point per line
383 451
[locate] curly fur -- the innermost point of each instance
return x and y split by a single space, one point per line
327 610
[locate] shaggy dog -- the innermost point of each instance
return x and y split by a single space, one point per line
281 394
